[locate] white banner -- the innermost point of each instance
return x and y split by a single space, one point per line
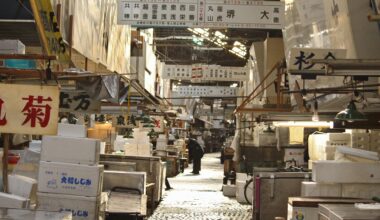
202 13
204 91
205 73
300 57
26 109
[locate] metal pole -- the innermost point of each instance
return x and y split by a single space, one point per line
5 161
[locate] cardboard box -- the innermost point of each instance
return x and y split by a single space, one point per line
362 191
345 172
70 130
72 179
81 207
313 189
70 150
229 190
22 186
13 201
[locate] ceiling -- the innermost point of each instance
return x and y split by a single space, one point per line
16 22
177 46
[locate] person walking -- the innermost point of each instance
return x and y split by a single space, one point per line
196 153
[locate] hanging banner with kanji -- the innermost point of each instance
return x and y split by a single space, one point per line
48 29
29 109
300 58
76 101
202 13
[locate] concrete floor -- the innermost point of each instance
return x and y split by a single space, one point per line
200 196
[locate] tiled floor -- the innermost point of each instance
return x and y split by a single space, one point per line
200 196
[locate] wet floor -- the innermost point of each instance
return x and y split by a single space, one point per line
200 196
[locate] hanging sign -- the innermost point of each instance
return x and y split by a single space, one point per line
204 91
202 13
158 123
76 101
48 29
205 73
300 58
28 109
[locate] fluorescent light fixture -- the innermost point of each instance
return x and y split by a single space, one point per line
306 124
234 85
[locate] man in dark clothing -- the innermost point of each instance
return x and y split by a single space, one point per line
195 154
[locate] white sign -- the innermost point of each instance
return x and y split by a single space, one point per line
300 57
205 91
202 13
74 101
205 73
26 109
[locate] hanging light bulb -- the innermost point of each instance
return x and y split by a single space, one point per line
315 115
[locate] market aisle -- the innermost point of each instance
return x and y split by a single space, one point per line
200 196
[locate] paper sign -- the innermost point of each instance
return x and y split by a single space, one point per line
300 57
29 109
202 13
74 101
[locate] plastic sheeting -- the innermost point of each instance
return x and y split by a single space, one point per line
104 87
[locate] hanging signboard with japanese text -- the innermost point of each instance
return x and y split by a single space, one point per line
300 58
202 13
76 101
48 29
158 123
205 72
29 109
204 91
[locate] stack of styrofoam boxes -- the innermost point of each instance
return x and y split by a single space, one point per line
345 179
139 145
323 146
374 141
359 138
11 47
341 180
70 177
161 142
241 180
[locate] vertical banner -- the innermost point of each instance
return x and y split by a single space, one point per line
29 109
48 29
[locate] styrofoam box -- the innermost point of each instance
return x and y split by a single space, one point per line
133 180
229 190
13 201
71 130
81 207
307 213
73 179
22 186
70 150
346 172
240 192
313 189
11 47
26 214
242 177
360 140
362 191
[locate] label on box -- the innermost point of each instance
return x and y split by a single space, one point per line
73 179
